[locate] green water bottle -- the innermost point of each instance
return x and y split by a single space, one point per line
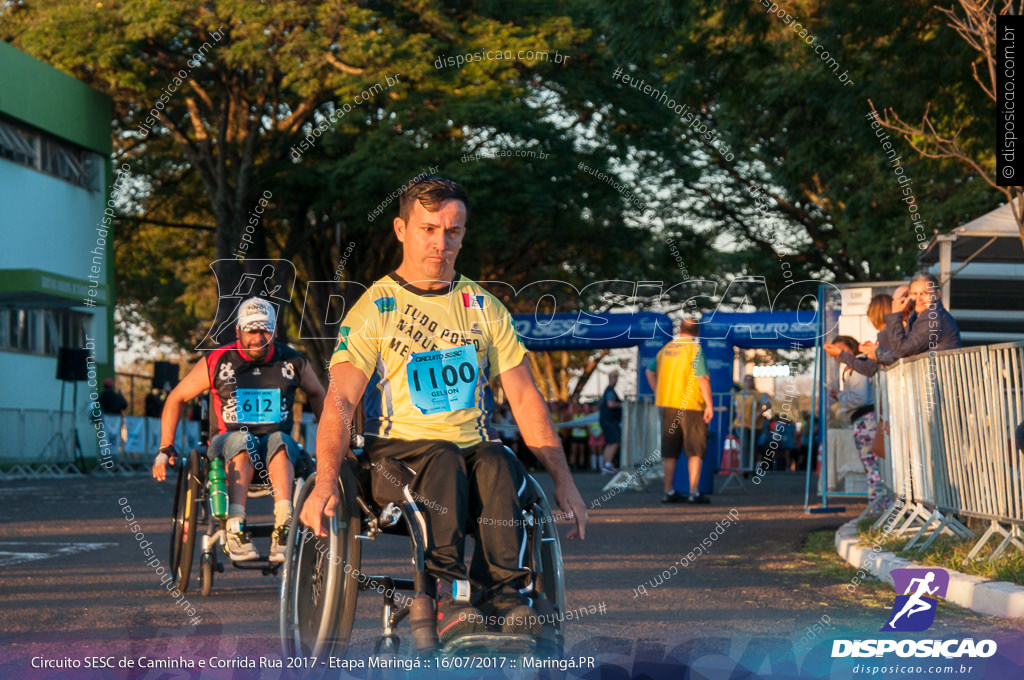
218 489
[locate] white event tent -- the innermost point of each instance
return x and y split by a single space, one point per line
981 268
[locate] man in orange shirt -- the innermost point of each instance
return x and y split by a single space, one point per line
682 388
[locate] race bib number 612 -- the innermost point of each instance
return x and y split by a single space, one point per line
259 406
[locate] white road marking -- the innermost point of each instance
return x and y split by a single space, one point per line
11 557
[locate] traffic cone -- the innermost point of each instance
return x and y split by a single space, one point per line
730 456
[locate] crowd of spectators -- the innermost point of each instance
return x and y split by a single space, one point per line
910 322
757 422
585 443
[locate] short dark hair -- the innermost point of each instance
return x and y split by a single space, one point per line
431 191
689 327
851 343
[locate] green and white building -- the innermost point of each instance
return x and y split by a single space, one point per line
56 267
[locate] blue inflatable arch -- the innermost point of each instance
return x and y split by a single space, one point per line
721 332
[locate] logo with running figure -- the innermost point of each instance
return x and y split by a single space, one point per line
914 610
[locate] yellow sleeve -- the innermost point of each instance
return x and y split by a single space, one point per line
359 337
506 350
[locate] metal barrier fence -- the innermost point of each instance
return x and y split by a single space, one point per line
641 433
36 443
40 443
950 449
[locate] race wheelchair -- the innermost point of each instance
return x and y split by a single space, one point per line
191 518
319 587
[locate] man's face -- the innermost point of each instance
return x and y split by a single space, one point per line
921 294
254 345
431 240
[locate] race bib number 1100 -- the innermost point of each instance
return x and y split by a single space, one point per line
443 380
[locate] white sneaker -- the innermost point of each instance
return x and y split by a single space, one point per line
238 545
608 469
279 543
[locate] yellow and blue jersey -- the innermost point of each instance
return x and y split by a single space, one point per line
428 357
678 365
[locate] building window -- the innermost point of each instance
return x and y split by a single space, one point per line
45 153
41 331
19 145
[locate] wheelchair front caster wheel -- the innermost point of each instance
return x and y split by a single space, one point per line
387 644
206 568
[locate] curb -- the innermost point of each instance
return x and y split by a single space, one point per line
995 598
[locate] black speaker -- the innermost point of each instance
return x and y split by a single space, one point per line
165 372
71 364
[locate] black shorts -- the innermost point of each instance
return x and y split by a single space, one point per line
612 432
683 428
483 487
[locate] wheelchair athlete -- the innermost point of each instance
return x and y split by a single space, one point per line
253 390
419 347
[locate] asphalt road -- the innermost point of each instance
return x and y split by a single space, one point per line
75 584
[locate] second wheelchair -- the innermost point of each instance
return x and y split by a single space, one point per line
192 521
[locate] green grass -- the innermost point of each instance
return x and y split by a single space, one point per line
951 553
818 559
819 549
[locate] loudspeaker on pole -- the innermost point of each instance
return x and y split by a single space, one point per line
72 364
165 372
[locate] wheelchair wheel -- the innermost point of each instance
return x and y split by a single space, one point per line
184 520
551 576
318 600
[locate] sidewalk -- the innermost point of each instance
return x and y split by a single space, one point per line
994 598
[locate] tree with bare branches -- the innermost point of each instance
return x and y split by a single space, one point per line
976 25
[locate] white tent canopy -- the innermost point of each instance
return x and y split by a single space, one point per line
981 267
998 223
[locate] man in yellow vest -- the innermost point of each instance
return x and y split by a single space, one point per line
682 388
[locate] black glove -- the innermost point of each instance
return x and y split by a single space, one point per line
170 452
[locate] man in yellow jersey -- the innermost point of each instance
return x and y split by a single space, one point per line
682 388
419 348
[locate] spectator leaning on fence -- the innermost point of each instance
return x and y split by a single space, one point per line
857 402
881 305
930 326
880 351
